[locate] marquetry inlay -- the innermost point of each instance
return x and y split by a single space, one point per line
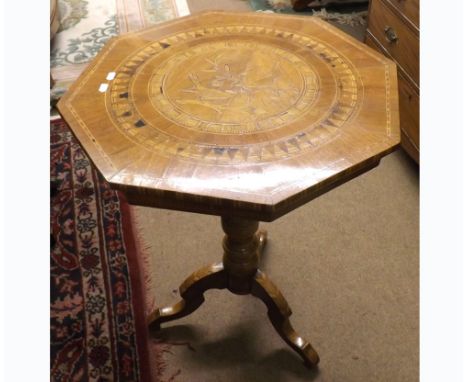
196 96
224 113
238 87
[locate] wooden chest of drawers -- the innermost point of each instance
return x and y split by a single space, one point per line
393 29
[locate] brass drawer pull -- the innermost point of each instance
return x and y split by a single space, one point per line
390 34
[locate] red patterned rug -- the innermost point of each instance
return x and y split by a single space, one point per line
97 323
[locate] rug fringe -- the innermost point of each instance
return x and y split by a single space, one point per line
351 19
156 347
160 365
145 264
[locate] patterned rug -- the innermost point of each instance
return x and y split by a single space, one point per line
97 321
85 27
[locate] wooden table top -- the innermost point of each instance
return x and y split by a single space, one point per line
242 114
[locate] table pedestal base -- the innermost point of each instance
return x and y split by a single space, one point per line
238 273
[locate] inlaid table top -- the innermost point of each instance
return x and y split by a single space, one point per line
244 114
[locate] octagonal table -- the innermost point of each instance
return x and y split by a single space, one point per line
245 116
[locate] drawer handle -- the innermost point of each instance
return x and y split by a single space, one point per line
390 34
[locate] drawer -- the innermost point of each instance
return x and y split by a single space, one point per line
409 110
401 43
409 9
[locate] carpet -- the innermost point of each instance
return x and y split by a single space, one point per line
85 27
97 321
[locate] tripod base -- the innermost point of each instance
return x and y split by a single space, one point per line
238 273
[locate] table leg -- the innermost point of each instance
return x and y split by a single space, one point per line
278 312
243 245
191 291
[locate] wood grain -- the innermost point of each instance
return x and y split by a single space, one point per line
240 114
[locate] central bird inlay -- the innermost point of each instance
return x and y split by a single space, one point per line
238 87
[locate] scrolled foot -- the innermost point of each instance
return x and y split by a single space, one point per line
191 291
278 312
